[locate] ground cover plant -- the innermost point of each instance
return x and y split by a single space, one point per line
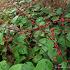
38 40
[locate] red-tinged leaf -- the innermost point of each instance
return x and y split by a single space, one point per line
33 22
56 45
56 21
52 29
47 24
42 26
59 52
36 29
62 24
62 19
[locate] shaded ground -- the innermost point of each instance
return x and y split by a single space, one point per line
4 4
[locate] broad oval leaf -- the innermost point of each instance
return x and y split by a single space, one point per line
17 67
25 66
44 64
4 65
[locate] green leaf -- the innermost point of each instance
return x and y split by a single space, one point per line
43 49
20 20
40 21
57 30
49 15
52 53
14 20
4 65
36 49
44 64
25 66
37 58
59 59
50 44
67 43
62 41
43 41
64 65
47 45
55 18
17 67
16 55
19 53
1 39
45 11
38 34
36 7
67 15
20 39
21 49
59 11
28 66
68 36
